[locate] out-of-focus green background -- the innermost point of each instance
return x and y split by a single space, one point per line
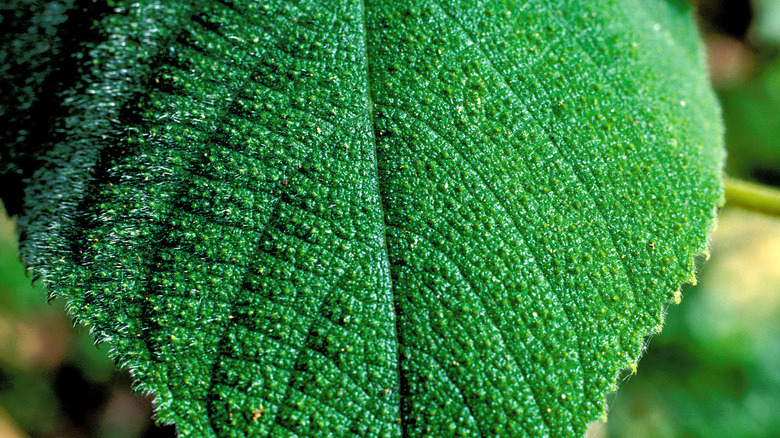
713 372
54 382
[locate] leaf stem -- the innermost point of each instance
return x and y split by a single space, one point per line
752 196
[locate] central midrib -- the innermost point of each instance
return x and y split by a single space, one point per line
385 257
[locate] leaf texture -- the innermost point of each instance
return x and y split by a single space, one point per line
375 218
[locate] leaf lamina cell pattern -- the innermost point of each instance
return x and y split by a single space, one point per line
378 218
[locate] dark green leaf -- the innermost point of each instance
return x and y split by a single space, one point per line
379 219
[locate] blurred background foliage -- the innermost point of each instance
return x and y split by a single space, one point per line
713 372
54 382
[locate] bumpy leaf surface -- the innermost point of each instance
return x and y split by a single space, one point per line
379 218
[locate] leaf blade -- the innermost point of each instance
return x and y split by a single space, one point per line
569 293
272 250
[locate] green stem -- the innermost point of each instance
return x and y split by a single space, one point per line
752 196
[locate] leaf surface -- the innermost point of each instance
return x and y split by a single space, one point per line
379 218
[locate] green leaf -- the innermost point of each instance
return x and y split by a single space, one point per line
379 218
